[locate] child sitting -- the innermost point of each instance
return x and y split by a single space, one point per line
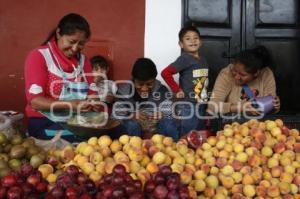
106 88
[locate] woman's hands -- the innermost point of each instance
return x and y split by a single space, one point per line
248 108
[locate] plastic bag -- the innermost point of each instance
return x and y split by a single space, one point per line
55 143
6 126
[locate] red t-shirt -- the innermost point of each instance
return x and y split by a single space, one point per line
42 77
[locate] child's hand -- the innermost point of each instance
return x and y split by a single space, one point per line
180 94
156 115
276 103
139 115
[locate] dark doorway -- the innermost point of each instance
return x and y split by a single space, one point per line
228 26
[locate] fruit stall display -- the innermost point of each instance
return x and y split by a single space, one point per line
251 160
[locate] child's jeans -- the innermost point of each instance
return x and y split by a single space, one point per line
166 126
189 117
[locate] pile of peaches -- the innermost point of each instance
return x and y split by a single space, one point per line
256 159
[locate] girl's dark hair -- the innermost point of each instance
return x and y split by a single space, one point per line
144 69
254 59
185 29
69 24
99 61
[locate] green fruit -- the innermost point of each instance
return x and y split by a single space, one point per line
16 139
3 138
4 172
28 142
4 156
7 148
43 155
36 161
32 150
3 164
15 164
17 152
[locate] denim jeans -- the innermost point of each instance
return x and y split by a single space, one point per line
169 127
189 117
166 126
133 127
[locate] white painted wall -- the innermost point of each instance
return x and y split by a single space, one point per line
162 24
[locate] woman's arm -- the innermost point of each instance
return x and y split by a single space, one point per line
43 103
221 90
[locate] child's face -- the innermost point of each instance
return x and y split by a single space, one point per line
190 42
143 88
99 74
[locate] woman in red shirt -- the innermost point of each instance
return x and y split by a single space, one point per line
58 78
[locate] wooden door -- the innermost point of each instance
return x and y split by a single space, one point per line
219 25
275 24
228 26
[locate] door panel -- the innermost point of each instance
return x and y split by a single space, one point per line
276 25
219 26
228 26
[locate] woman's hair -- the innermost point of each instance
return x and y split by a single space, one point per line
70 24
144 69
185 29
254 59
99 61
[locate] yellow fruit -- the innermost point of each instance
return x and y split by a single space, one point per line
51 178
212 181
238 148
152 167
199 185
200 175
120 156
88 150
159 158
145 161
87 168
136 141
228 132
124 139
96 157
115 146
135 154
100 167
95 176
93 141
45 169
82 159
185 178
134 166
157 138
80 147
249 191
104 140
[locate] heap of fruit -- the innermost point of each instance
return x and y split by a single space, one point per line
72 183
250 160
165 184
15 151
27 183
119 184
